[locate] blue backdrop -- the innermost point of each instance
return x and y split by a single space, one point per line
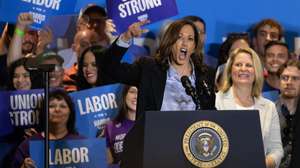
227 16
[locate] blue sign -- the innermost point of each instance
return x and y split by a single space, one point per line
40 9
70 153
126 12
271 95
19 109
94 108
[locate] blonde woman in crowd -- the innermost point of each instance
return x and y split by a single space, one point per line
241 90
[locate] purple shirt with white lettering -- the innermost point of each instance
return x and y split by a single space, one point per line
115 134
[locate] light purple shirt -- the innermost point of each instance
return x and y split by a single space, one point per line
175 97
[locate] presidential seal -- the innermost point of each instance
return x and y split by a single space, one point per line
205 144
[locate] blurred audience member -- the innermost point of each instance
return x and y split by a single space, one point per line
276 54
287 105
233 41
265 31
116 130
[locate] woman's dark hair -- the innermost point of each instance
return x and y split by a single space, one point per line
35 76
226 45
164 51
123 106
99 53
194 18
60 95
11 71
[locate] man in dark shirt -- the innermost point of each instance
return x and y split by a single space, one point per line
286 106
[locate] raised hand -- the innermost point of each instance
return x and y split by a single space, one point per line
28 163
29 132
135 30
110 27
24 20
4 40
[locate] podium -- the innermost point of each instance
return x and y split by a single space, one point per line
190 139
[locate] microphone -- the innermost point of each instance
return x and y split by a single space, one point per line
190 90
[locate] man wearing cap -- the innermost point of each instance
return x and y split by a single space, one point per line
94 17
56 76
90 31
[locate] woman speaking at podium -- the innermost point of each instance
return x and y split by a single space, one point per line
158 78
241 90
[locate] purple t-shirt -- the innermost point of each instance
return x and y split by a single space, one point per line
115 134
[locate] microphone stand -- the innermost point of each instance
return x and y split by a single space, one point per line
196 100
191 91
45 69
46 110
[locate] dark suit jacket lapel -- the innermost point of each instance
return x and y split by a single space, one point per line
199 78
159 78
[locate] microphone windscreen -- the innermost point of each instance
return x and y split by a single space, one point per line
185 81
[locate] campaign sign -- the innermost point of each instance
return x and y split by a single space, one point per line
19 109
126 12
40 9
70 153
95 107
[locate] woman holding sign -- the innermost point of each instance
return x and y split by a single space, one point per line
20 79
116 130
61 126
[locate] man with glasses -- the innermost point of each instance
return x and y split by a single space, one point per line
94 17
287 105
91 30
265 31
276 54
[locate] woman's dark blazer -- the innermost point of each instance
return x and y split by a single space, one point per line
150 78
